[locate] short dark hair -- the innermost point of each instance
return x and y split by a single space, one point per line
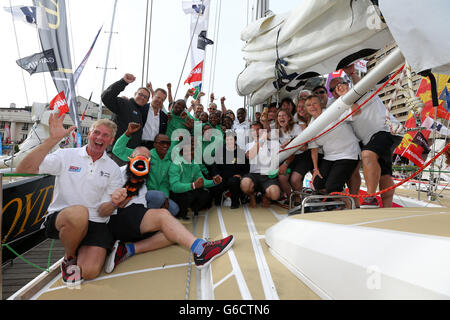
159 135
257 123
319 87
161 90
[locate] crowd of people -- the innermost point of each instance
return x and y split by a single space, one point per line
126 191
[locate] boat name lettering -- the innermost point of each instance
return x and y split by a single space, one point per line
33 208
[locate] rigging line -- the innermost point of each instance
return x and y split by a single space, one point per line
211 81
18 51
43 73
145 41
216 46
149 40
185 59
71 36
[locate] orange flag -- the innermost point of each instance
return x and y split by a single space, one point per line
424 92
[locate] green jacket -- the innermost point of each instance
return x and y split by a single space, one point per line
159 168
182 175
175 123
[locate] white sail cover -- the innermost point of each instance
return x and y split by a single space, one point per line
318 37
424 23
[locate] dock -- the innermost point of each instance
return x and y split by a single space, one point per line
17 274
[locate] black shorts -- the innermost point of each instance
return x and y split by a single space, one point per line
335 174
302 163
261 182
381 143
126 224
98 234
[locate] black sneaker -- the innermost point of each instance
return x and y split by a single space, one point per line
213 250
118 254
70 272
369 203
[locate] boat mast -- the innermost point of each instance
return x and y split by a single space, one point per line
259 8
99 116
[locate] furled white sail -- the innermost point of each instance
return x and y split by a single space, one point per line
318 37
424 23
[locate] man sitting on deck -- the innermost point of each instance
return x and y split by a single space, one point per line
140 230
158 181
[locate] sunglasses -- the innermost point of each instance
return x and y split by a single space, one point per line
143 95
321 92
334 88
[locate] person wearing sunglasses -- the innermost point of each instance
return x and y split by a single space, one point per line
369 125
322 93
138 229
131 110
158 180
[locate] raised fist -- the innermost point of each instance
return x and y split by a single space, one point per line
129 78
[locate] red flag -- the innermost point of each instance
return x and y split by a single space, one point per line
424 92
60 102
412 147
196 74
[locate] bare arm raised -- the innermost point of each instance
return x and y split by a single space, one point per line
31 163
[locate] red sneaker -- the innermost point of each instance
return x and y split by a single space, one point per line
118 254
70 272
213 250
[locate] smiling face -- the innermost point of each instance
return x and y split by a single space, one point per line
99 138
203 117
179 107
272 113
227 122
313 106
141 97
283 118
158 99
162 144
213 119
241 115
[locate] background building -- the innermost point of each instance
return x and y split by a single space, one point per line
19 119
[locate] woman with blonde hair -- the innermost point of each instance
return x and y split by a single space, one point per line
299 163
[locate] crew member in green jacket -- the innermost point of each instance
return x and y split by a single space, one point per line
188 185
158 182
179 118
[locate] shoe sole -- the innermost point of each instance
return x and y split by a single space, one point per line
109 263
203 266
369 206
73 284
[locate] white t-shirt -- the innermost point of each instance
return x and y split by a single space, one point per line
80 181
140 197
371 119
242 132
287 136
262 163
151 127
338 144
